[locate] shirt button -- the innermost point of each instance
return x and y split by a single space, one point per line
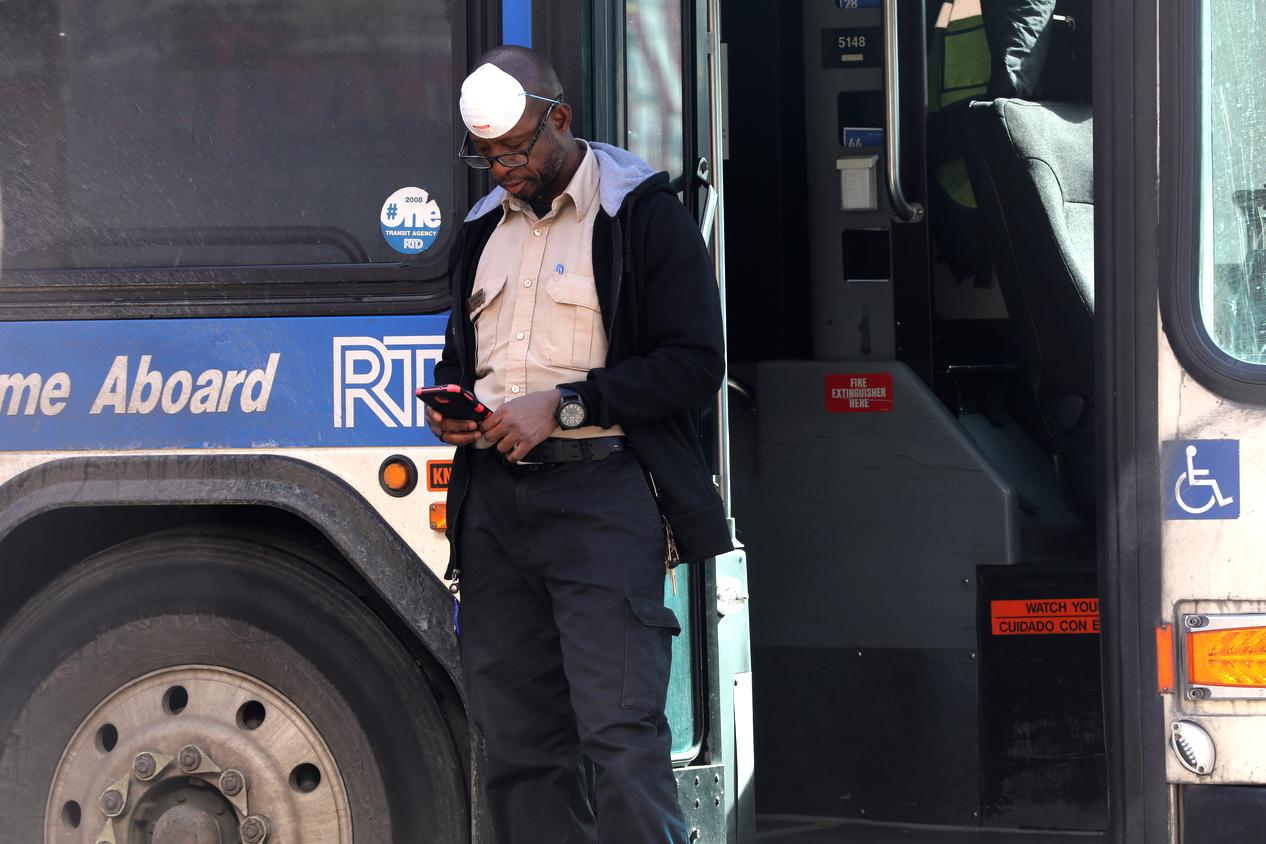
536 232
518 335
527 282
514 389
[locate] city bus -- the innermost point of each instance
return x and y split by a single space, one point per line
992 280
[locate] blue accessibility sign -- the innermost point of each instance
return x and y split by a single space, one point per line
1202 479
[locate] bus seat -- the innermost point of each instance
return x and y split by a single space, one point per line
1031 167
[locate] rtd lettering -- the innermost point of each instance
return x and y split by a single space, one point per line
211 392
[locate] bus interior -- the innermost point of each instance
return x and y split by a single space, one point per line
911 418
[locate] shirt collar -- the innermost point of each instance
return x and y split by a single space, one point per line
582 189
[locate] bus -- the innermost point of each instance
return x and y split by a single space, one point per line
992 278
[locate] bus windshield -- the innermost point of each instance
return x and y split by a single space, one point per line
223 133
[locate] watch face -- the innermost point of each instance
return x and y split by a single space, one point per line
571 414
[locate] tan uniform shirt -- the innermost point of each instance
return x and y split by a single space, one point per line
534 306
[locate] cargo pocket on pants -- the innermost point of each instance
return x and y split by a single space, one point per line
649 628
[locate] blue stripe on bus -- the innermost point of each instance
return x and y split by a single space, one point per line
516 22
230 383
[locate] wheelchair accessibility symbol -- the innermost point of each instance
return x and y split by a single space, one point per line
1202 479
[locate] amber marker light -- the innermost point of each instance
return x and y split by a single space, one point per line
1227 656
439 516
397 475
1165 659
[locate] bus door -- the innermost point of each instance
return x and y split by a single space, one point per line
1187 714
647 76
671 117
923 613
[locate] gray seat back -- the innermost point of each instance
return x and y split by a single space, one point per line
1031 167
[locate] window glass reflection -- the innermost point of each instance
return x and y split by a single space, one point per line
176 133
1233 271
653 56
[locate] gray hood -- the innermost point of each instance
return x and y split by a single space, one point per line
620 171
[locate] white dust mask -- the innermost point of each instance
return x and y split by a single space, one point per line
492 102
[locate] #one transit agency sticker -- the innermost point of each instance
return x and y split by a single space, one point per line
410 221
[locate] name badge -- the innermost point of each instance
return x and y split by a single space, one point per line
475 301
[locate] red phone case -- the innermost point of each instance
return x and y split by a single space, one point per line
453 402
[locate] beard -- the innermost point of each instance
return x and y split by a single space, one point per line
550 169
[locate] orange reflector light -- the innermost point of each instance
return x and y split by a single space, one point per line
1234 656
397 475
439 516
1165 659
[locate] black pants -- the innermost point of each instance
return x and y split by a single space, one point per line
566 647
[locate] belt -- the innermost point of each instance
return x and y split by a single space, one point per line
586 450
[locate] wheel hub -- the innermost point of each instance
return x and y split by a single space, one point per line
198 754
187 825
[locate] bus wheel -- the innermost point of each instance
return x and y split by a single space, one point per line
200 688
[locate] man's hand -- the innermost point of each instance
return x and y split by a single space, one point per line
452 431
520 425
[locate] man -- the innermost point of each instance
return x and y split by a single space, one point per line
585 313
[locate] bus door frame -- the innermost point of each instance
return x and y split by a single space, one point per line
1131 131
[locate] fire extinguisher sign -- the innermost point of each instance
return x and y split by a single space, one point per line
859 392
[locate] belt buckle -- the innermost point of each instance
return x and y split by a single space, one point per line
600 448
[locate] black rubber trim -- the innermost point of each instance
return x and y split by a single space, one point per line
417 596
1199 354
1127 214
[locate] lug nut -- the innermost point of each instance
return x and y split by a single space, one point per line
231 782
112 803
144 766
190 757
254 829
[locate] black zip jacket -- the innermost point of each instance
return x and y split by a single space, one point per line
665 352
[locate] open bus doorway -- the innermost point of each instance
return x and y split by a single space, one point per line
912 410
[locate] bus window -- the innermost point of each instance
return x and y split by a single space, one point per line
653 50
212 133
1233 180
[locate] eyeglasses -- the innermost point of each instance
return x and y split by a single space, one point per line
508 159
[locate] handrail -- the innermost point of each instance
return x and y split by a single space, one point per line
710 204
905 212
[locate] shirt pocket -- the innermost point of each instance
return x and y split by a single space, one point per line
484 315
574 322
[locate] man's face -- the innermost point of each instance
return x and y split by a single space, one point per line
530 181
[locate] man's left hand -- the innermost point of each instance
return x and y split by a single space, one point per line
520 425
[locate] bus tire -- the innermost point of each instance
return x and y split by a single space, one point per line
208 618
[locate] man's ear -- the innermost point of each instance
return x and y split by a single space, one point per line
560 117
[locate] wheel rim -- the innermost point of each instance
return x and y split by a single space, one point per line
197 753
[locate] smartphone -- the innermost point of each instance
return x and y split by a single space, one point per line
451 401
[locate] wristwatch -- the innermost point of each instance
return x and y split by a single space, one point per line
571 413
